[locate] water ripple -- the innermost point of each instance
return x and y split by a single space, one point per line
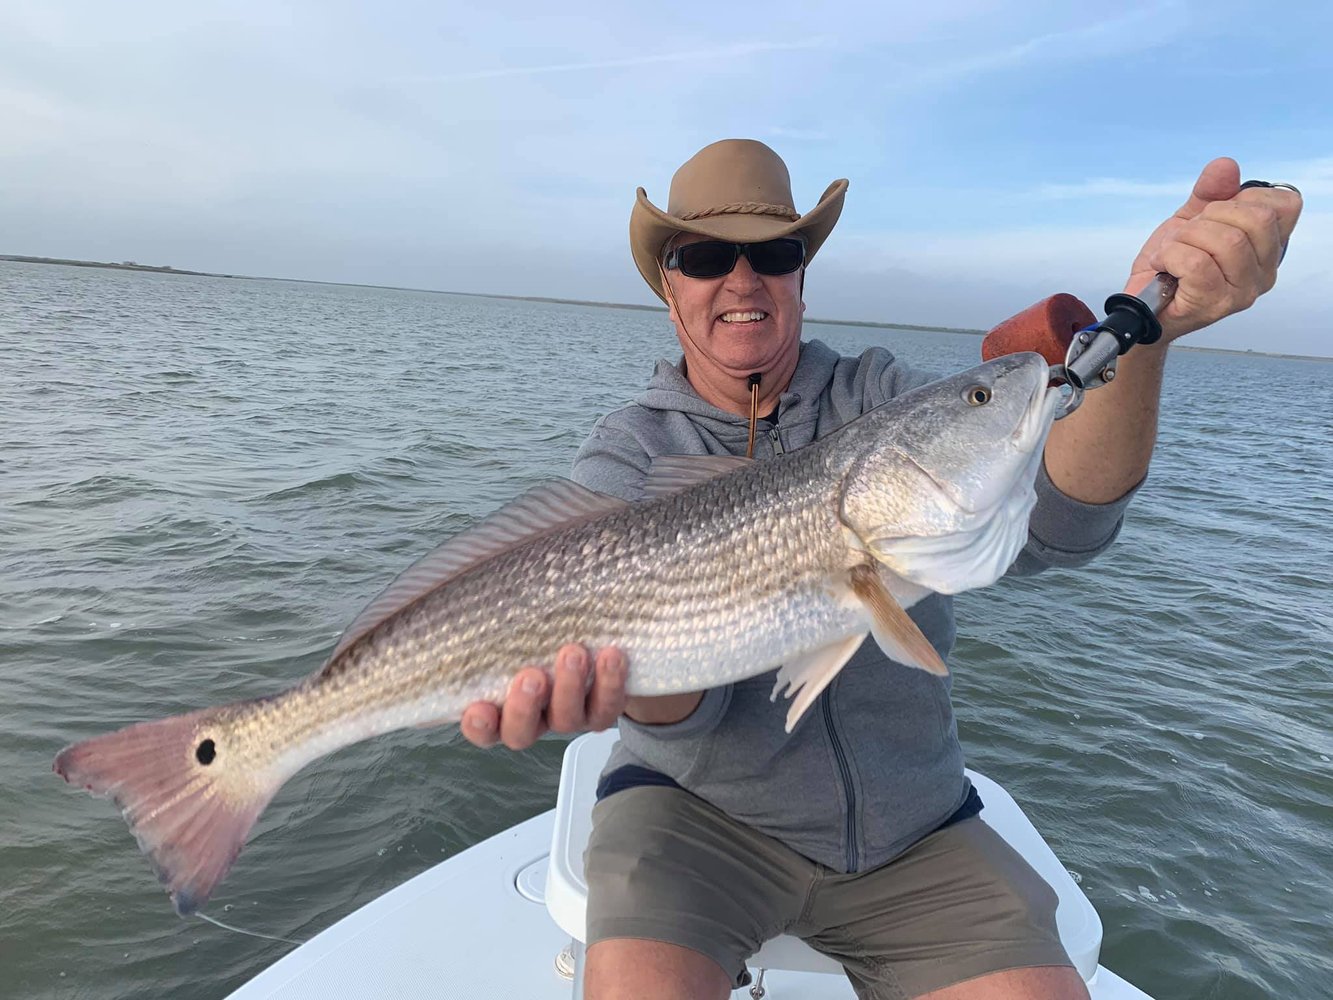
207 479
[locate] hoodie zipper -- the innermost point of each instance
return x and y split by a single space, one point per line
844 770
853 851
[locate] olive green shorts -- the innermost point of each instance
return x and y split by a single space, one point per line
662 864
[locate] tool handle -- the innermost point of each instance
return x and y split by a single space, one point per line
1132 319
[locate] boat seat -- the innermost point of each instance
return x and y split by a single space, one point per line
567 889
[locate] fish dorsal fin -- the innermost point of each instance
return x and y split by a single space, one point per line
894 631
672 473
543 509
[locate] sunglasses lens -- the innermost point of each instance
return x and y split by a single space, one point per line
776 256
709 259
714 258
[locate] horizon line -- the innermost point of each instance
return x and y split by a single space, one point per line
820 321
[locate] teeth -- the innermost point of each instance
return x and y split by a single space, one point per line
744 317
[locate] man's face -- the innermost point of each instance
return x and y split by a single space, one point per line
742 322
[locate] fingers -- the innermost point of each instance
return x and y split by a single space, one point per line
480 724
1225 258
523 719
581 696
587 696
1218 181
1238 257
1286 205
568 711
606 701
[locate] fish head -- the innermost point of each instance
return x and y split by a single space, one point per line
943 483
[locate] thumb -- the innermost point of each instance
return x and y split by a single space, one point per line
1219 181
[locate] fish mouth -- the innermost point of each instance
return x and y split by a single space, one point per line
1037 419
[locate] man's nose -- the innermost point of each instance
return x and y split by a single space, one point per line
742 276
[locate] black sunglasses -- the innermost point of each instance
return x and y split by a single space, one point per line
714 258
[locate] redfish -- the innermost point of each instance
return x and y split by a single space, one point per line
725 570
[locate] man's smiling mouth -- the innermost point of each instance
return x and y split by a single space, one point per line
745 316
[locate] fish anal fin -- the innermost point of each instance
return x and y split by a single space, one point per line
670 474
549 507
807 675
895 632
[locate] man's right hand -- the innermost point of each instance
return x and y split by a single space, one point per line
572 703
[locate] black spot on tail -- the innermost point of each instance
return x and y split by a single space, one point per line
206 752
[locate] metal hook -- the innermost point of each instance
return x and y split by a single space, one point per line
1073 393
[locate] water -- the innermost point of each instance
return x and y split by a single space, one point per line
204 480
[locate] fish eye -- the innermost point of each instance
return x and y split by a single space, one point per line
978 395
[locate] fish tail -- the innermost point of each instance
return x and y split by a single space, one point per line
186 790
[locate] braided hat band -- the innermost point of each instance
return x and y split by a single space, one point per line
744 208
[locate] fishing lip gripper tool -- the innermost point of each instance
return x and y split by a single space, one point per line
1082 352
1093 352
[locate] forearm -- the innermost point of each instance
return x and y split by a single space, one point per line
661 710
1101 451
1223 245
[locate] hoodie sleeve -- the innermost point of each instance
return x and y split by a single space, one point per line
896 378
1067 532
612 461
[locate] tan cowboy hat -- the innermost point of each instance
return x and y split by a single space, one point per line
736 190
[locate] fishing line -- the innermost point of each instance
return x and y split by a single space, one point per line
242 930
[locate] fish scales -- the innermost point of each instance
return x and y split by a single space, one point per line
639 581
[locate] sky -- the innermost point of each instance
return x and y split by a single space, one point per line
997 152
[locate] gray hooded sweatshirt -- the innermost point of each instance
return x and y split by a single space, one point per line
874 764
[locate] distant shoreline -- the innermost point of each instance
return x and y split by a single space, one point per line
130 265
127 265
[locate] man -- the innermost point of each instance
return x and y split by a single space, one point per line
715 829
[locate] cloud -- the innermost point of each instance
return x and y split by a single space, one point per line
1314 177
1146 27
739 50
1112 187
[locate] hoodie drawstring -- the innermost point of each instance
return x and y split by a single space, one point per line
753 382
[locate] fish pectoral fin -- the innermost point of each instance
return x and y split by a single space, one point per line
807 675
670 474
893 629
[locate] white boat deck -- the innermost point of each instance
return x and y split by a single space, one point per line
477 925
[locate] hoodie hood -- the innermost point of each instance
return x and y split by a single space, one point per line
669 389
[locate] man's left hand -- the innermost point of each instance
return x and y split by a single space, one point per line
1223 245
